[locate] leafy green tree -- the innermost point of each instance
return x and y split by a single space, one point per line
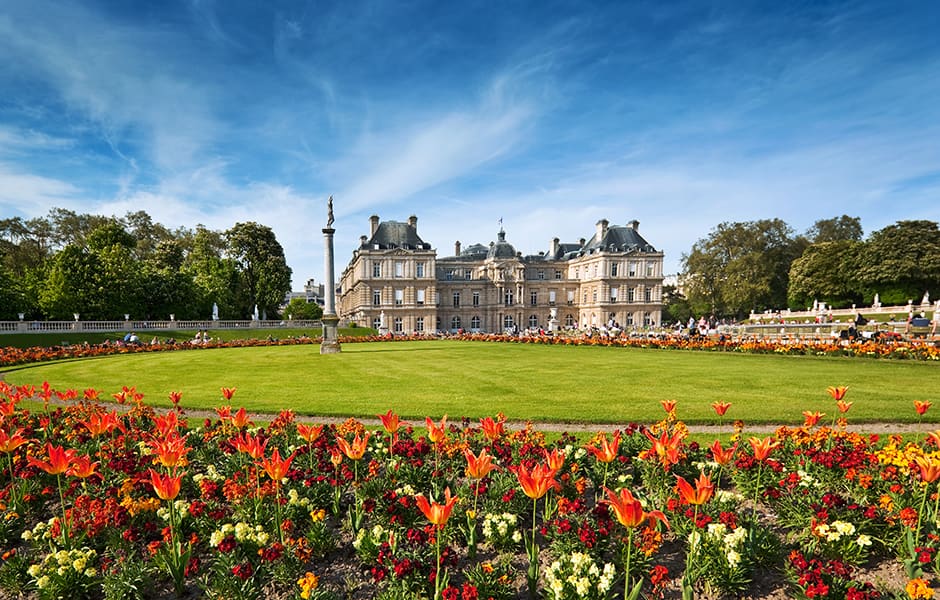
676 306
264 276
827 272
837 229
11 298
70 284
109 234
901 262
215 278
741 267
299 308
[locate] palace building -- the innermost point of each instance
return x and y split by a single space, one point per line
397 281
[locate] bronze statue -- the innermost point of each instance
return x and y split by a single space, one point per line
329 212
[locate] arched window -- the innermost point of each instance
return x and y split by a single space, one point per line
455 323
475 322
419 324
533 321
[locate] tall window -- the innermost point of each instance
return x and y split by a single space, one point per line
557 273
475 322
570 296
629 318
508 322
533 298
456 299
508 298
399 325
648 295
541 274
613 294
420 297
376 298
631 295
594 295
399 268
399 297
632 271
569 320
376 323
476 298
449 275
647 319
419 324
455 323
551 297
376 269
533 321
650 268
613 269
468 274
419 269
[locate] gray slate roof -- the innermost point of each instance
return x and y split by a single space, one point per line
393 234
501 248
619 239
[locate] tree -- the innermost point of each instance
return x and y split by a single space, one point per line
901 262
741 267
299 308
263 272
215 277
70 284
837 229
676 306
827 272
11 298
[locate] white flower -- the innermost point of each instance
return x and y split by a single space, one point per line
844 528
863 540
42 582
734 559
216 538
91 572
516 536
33 571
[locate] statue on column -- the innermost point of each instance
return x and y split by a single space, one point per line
329 212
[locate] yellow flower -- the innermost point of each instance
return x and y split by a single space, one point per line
307 584
918 588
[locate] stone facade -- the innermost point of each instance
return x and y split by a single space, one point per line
395 280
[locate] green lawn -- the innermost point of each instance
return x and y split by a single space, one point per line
45 340
542 383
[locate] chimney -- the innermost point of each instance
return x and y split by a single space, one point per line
457 248
413 221
602 229
581 242
373 225
363 240
553 247
634 224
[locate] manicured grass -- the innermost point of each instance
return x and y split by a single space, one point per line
45 340
541 383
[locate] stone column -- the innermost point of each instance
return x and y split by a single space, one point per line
330 343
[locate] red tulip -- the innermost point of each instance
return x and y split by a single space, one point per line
82 467
175 398
240 419
811 418
170 450
929 469
921 406
390 422
356 449
493 430
669 406
837 393
59 462
722 456
436 433
480 466
605 451
763 447
555 459
227 393
721 408
309 433
536 481
843 406
10 442
276 467
250 445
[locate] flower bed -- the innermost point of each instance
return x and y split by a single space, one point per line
130 503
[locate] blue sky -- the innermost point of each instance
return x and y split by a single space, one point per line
549 115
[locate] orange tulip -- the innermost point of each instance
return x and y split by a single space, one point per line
811 418
276 467
224 412
837 393
702 493
934 437
629 511
101 423
166 487
390 422
493 430
170 450
436 433
843 406
929 469
167 424
90 394
763 447
555 459
10 442
82 467
666 448
336 456
227 393
59 462
356 449
721 408
437 513
240 419
536 481
175 398
722 456
309 433
921 406
605 451
250 445
669 406
480 466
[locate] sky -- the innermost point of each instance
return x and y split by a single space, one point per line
546 115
